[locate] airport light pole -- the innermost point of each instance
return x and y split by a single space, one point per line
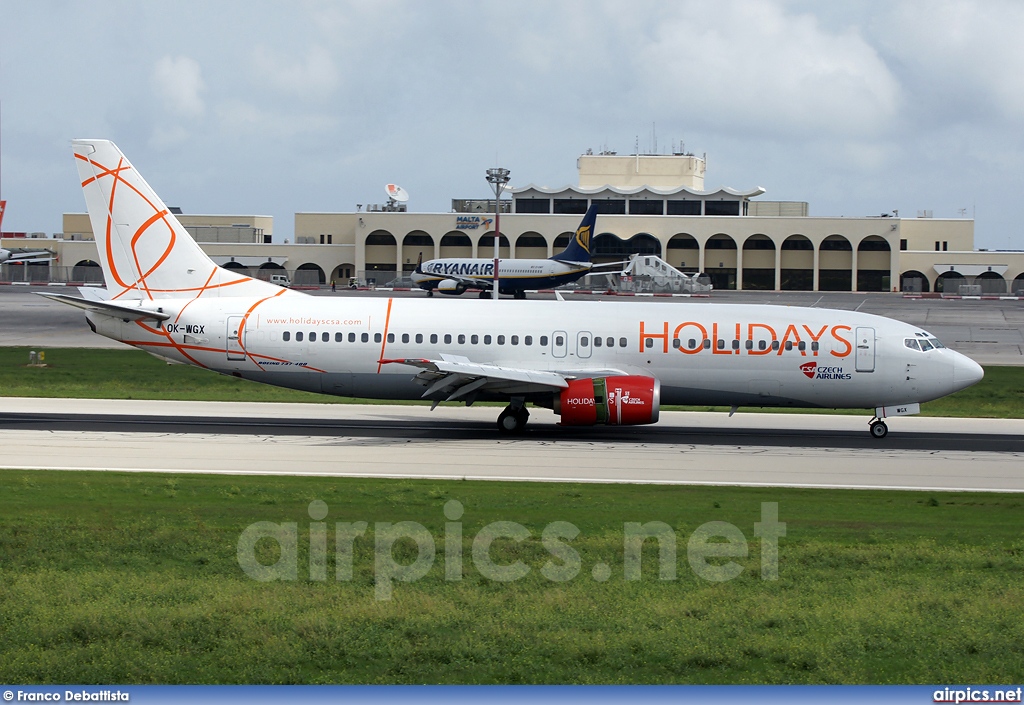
498 179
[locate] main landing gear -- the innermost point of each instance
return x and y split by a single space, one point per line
878 428
513 419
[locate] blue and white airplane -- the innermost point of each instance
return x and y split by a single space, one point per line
455 275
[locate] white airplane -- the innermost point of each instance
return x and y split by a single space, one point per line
455 275
591 363
6 256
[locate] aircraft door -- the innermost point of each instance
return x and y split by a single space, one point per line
583 342
235 338
559 343
865 350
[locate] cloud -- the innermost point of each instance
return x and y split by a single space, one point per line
312 76
178 84
750 66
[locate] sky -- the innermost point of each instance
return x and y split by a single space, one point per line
270 108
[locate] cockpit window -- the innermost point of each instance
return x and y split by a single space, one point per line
935 343
925 345
911 343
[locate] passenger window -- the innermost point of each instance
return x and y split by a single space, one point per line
544 340
649 342
735 345
801 345
691 343
528 340
325 337
338 337
298 336
474 339
814 346
584 342
559 341
749 345
515 340
721 344
675 342
623 342
462 339
391 337
366 337
286 336
501 340
377 337
312 337
789 345
597 342
487 340
405 337
761 345
610 342
775 345
707 343
433 337
447 338
351 337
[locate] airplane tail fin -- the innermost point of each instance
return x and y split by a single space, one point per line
419 264
578 249
144 251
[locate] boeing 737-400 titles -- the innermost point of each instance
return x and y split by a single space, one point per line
591 363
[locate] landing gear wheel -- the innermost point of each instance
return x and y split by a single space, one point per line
519 294
485 294
879 429
430 292
513 420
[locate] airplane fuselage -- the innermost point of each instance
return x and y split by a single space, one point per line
721 354
513 274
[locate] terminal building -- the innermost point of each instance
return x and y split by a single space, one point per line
647 204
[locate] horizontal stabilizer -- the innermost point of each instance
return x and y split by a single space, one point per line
130 313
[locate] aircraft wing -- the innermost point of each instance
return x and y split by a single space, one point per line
128 313
457 378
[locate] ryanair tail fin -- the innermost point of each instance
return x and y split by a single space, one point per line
578 249
144 251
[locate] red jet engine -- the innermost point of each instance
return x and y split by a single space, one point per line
615 401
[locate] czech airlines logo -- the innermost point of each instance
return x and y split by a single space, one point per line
812 371
583 237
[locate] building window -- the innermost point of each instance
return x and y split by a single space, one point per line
945 245
647 207
533 205
903 243
610 206
684 207
721 207
571 206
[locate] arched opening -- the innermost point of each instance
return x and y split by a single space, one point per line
914 282
531 245
381 254
608 247
236 266
485 247
415 244
683 252
720 261
873 262
759 263
950 282
88 272
342 273
991 283
309 274
562 241
835 264
271 265
796 265
1018 285
456 244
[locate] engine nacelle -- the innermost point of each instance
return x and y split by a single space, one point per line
616 401
450 286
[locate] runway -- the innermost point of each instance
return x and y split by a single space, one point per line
783 450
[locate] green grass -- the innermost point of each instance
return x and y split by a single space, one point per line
132 374
133 578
